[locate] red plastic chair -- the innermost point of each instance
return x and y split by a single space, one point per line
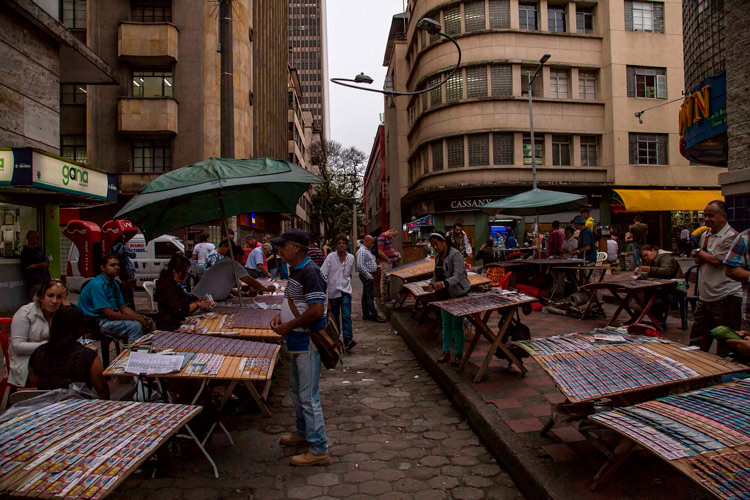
4 344
505 281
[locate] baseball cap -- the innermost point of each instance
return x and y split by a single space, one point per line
578 219
294 235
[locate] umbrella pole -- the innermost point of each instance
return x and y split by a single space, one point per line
231 246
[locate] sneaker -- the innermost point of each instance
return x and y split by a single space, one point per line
456 361
307 459
349 344
388 301
378 319
292 440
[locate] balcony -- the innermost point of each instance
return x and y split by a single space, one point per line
147 116
147 44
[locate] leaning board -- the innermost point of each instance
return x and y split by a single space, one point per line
414 271
83 448
417 288
705 434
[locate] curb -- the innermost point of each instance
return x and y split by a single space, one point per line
504 445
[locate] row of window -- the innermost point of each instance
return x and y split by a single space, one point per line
150 156
476 150
481 15
73 12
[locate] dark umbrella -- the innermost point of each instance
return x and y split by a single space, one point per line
536 202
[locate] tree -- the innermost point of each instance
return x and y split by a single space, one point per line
342 170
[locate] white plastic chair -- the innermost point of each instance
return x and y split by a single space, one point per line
601 257
150 286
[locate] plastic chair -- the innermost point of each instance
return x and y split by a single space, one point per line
601 257
690 299
505 281
4 338
495 274
150 286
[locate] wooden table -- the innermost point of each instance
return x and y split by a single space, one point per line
219 324
423 292
67 450
704 434
478 309
414 271
582 275
633 290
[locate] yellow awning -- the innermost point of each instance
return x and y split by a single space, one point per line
657 200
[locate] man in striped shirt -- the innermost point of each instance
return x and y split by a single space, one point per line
367 266
307 290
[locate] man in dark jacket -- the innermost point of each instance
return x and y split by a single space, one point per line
660 264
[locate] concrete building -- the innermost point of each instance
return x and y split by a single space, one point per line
307 53
300 136
39 55
715 120
166 113
376 188
467 142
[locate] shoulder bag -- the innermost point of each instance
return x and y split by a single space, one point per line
327 341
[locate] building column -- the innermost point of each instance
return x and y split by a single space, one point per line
547 151
514 19
605 209
543 21
52 237
545 80
574 89
518 148
516 75
575 153
570 21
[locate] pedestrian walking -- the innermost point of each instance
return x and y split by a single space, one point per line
366 266
684 246
450 281
460 240
720 302
338 269
304 309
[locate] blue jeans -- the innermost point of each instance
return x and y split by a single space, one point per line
637 253
283 271
303 389
126 331
368 298
341 310
273 272
453 333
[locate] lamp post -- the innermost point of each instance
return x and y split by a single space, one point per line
425 24
543 60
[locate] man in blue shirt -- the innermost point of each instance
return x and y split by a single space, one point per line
307 290
101 299
586 242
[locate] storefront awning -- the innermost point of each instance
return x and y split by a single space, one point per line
663 200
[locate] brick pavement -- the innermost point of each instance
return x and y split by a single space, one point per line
393 435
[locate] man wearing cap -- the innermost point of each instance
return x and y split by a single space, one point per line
586 244
304 309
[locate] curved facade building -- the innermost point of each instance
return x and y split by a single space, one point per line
456 147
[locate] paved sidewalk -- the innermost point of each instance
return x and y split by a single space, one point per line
393 435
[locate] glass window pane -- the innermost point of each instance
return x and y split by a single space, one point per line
452 18
474 16
476 81
502 80
479 150
499 14
437 156
456 152
556 19
502 149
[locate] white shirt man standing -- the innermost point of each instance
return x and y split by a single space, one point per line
201 251
338 269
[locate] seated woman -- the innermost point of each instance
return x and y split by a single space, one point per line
63 360
487 253
174 304
30 328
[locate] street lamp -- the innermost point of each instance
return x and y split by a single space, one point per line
425 24
543 60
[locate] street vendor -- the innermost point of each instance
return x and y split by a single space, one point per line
659 264
174 304
450 281
220 280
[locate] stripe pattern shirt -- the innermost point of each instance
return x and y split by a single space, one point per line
306 286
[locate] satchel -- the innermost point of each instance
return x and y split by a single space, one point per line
327 341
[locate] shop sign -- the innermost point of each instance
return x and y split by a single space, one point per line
59 175
461 204
6 165
702 119
427 221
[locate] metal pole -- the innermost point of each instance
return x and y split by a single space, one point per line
231 246
227 80
354 225
533 151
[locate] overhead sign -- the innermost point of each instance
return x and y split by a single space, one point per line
703 122
6 165
461 204
426 221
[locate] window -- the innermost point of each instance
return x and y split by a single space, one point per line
499 14
558 84
165 250
73 95
644 16
152 83
589 151
424 97
539 148
502 149
474 16
452 17
560 150
556 19
436 95
73 14
437 156
425 160
502 80
527 16
435 16
585 20
587 85
650 83
152 156
454 87
74 147
648 149
476 81
527 74
479 150
152 11
456 152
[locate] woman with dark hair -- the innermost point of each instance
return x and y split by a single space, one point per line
30 328
63 360
174 304
487 253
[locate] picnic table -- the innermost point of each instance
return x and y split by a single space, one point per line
83 448
634 290
704 434
478 309
624 369
231 361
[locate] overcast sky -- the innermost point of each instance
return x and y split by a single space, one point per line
357 35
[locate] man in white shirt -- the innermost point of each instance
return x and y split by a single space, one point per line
720 302
220 280
684 244
338 269
200 251
570 242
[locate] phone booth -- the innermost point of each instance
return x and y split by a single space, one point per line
114 229
87 237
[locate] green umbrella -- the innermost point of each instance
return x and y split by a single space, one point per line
215 189
536 202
